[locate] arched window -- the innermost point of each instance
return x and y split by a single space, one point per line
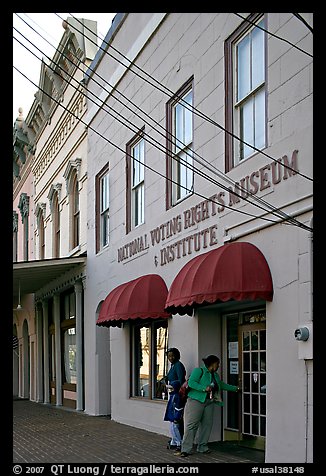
75 211
72 177
15 236
24 210
40 215
41 236
56 225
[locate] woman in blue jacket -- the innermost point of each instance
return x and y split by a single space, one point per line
205 390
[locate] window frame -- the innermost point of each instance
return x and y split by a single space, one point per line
67 323
56 224
99 213
130 215
15 237
152 326
172 185
41 235
75 211
232 123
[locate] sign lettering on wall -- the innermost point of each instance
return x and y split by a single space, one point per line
259 180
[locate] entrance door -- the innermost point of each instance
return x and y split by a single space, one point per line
246 361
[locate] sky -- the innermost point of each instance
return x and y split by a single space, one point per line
49 25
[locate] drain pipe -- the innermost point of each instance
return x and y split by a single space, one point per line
306 361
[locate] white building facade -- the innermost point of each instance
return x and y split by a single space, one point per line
200 209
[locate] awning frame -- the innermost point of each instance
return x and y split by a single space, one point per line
236 271
139 299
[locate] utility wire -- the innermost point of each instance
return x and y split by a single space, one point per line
169 92
275 211
146 165
299 17
192 168
240 196
273 34
133 158
162 149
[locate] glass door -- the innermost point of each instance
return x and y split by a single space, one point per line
252 348
245 419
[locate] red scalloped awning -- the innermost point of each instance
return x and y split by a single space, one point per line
235 271
140 298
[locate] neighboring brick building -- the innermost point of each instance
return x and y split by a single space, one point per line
57 181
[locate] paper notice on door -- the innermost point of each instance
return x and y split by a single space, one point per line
234 367
233 350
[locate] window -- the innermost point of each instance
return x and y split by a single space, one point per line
149 359
24 211
68 326
102 206
71 176
135 151
75 211
41 235
69 339
56 225
137 200
179 145
245 91
15 236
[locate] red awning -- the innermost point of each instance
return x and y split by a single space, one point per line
140 298
235 271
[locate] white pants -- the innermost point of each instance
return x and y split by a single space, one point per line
175 434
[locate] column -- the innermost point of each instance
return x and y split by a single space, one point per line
46 379
21 371
79 345
39 366
58 372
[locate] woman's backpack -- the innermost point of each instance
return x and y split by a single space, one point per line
184 389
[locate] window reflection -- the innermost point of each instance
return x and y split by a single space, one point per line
70 355
150 359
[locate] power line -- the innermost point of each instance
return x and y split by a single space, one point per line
146 165
237 185
273 34
191 108
162 149
272 209
303 21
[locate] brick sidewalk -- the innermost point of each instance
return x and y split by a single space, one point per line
48 434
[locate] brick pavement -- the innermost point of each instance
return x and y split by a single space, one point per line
48 434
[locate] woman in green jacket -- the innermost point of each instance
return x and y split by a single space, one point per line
205 390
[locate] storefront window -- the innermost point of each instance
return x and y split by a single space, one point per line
68 325
69 338
149 359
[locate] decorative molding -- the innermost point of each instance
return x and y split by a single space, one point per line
15 221
64 130
73 165
24 205
67 280
40 208
53 189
